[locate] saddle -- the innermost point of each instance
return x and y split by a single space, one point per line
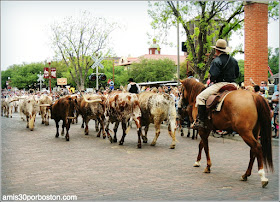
214 99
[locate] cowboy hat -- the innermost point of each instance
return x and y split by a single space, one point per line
130 79
221 45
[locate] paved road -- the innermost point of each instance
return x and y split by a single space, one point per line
35 162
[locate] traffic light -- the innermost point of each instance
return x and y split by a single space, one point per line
102 77
92 77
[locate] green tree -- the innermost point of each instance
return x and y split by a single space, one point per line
203 22
76 40
25 76
152 70
240 79
5 75
273 60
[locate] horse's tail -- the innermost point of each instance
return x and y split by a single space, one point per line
264 119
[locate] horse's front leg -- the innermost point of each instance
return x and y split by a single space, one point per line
200 147
204 134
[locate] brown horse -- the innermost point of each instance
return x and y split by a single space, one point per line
244 112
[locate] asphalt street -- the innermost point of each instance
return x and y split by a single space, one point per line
92 168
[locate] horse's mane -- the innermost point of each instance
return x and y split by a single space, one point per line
193 87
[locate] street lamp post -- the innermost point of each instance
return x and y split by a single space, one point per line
50 83
178 56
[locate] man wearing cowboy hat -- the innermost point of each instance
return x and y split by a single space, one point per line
133 87
224 69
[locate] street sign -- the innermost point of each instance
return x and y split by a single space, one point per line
46 72
97 62
96 65
53 72
41 77
61 81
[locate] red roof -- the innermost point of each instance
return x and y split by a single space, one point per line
155 57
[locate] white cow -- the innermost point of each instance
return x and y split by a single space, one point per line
45 101
156 108
30 107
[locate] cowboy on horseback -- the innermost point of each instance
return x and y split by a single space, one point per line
224 70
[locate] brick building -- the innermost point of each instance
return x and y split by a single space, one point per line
154 53
256 42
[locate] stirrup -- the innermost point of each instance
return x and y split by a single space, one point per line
199 124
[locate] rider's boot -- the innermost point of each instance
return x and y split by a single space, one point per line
200 120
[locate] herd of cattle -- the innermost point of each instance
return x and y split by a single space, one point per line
115 108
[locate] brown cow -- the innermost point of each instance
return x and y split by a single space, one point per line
156 108
93 107
63 109
122 107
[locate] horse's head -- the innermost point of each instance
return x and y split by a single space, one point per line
190 89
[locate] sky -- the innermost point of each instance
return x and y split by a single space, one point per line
25 28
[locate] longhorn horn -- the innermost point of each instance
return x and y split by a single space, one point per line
91 101
44 105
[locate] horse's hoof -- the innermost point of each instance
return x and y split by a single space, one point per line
139 146
98 135
86 133
196 164
115 140
264 183
67 138
243 178
206 170
120 143
153 144
110 139
182 134
172 147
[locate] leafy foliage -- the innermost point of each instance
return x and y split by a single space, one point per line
152 70
77 40
273 60
203 23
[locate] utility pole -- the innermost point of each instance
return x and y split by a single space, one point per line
178 56
50 83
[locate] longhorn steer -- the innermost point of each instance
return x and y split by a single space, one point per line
7 105
30 107
156 108
122 107
93 107
44 102
63 109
